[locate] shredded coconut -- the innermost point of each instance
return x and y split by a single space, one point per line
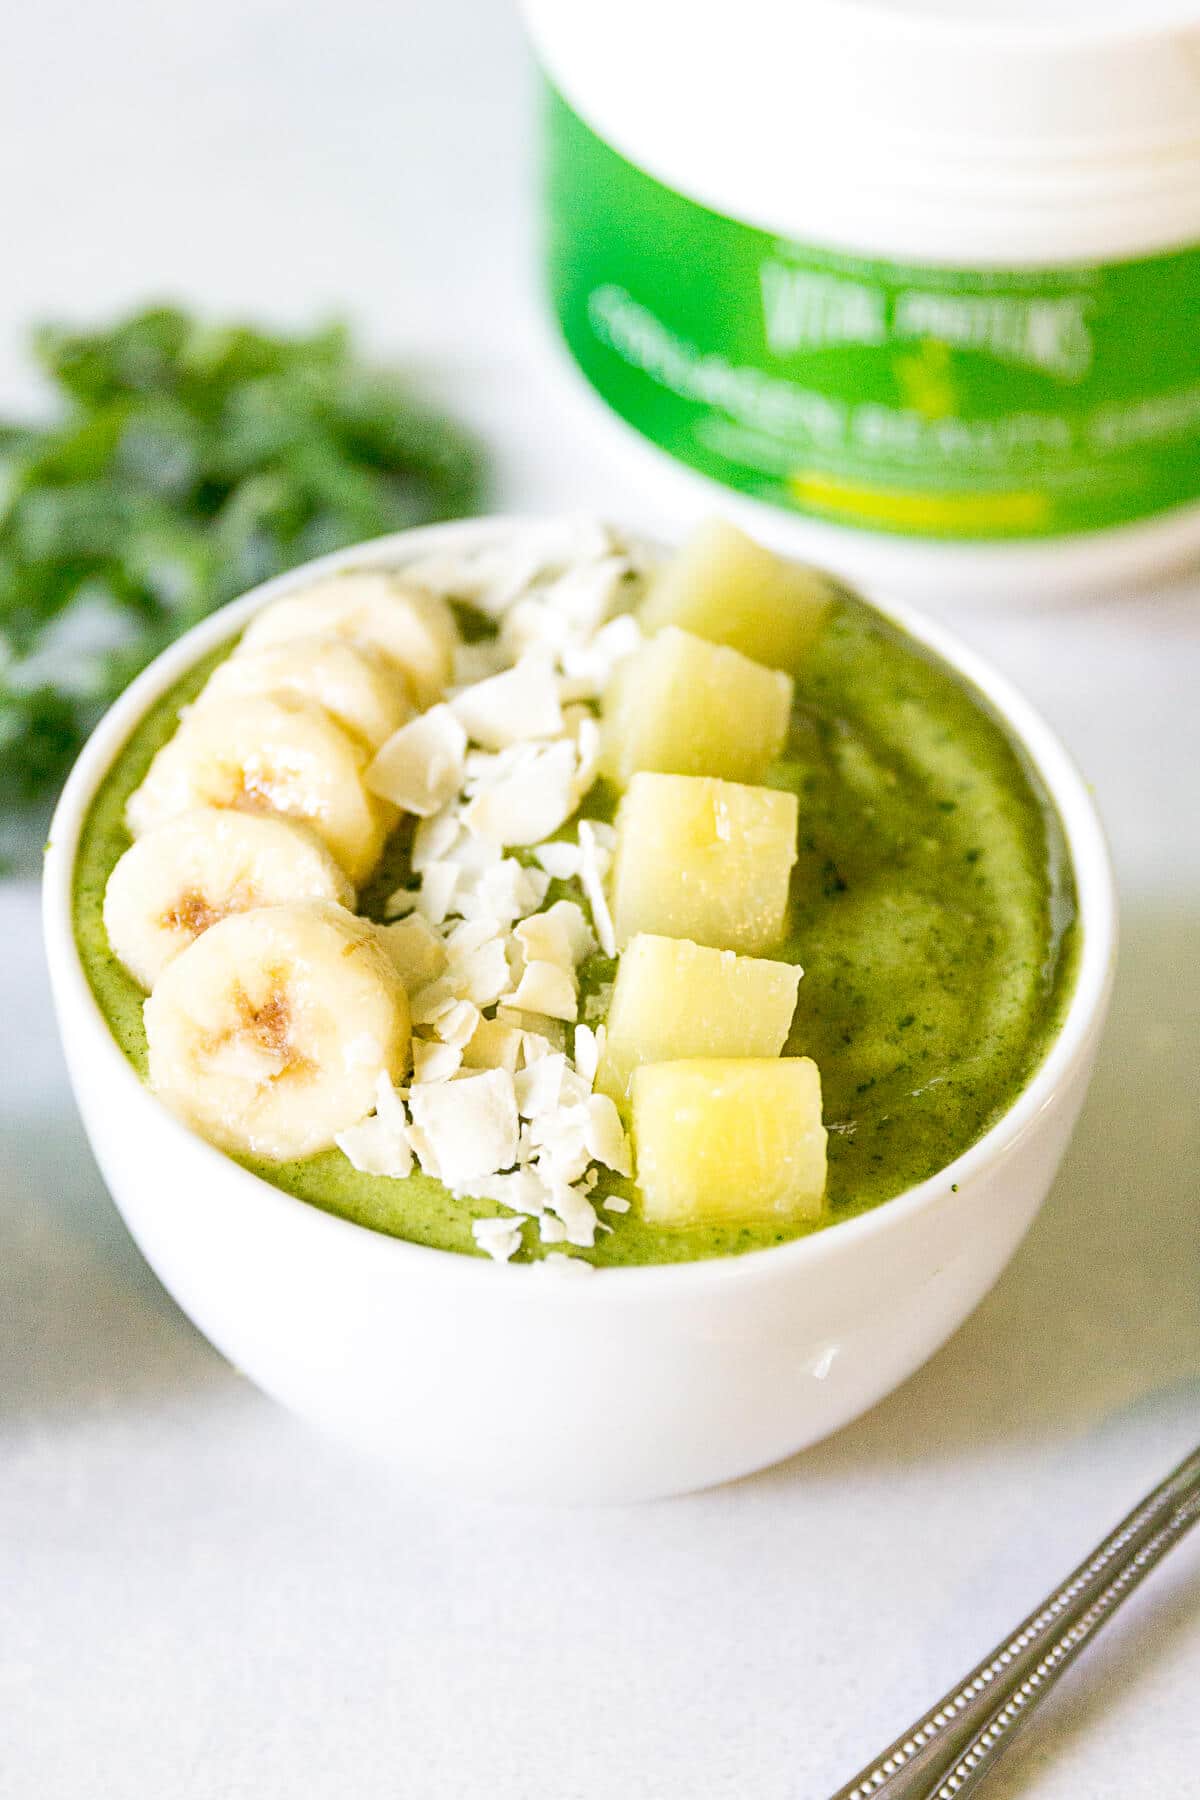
434 837
434 1062
548 988
459 1024
420 766
501 1238
605 1136
379 1145
589 1048
437 891
560 860
509 708
416 950
482 971
538 1028
493 1046
596 854
501 1105
527 799
470 1125
431 1003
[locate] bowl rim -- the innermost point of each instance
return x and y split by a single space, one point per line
1064 783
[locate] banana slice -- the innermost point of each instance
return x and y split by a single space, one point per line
412 626
268 1035
359 688
268 754
194 870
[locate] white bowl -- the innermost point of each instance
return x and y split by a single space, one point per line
512 1381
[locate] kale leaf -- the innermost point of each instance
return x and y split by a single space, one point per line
185 462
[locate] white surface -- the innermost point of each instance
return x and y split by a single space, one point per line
771 1353
199 1599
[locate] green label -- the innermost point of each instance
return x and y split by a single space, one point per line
935 402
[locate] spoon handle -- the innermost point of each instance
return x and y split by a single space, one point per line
947 1752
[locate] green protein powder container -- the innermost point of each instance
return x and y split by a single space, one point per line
915 284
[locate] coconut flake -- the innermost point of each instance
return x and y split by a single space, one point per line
577 1214
416 950
482 971
589 1048
420 767
435 1000
438 886
557 1149
539 1085
615 1203
560 861
589 667
530 799
470 935
548 988
473 857
505 892
493 1046
605 1135
458 1025
379 1145
535 1026
604 840
587 750
469 1125
596 859
521 1190
510 708
545 937
530 626
494 575
580 937
434 838
500 1238
434 1062
587 590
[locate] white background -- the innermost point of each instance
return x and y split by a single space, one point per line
197 1598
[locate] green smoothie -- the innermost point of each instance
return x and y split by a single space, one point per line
933 911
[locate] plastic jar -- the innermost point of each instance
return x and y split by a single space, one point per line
918 281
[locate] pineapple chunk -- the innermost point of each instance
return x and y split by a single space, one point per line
703 859
684 706
725 587
673 998
721 1142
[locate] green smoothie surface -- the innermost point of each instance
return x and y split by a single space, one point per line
933 911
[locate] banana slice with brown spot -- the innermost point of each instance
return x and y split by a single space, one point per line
360 688
194 870
268 1035
274 754
410 625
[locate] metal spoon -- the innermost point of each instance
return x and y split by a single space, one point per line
952 1747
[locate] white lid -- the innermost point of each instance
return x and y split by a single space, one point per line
786 112
1019 79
